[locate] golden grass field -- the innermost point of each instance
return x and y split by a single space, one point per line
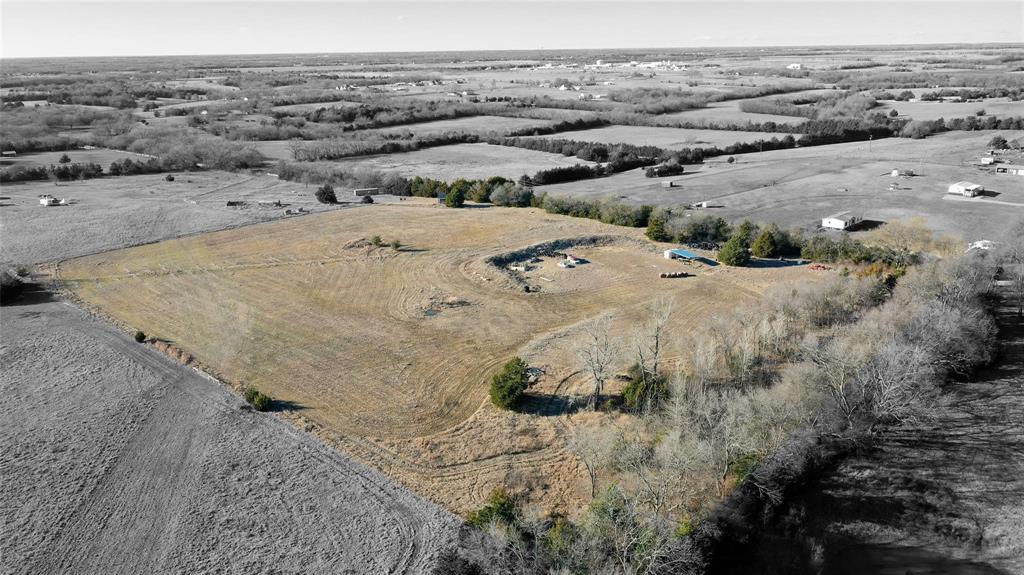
338 331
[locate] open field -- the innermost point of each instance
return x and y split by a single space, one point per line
671 138
798 187
480 124
103 157
111 213
470 161
312 106
387 353
729 112
116 459
999 107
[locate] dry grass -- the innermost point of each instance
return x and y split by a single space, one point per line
309 313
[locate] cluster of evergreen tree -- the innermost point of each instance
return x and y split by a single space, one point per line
62 172
129 167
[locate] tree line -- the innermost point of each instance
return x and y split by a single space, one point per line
807 369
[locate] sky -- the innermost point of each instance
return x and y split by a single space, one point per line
48 28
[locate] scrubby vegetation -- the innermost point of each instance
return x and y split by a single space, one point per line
804 368
258 400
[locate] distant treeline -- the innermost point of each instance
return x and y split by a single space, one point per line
924 128
879 79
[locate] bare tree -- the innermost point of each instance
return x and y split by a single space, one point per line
597 356
592 447
649 340
1012 252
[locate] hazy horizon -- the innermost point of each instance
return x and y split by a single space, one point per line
188 28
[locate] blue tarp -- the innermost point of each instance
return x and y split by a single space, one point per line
685 254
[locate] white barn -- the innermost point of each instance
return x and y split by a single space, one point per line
840 221
966 189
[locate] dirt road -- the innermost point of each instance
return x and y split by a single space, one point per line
946 496
114 459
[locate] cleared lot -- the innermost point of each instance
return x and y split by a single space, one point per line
388 353
114 459
671 138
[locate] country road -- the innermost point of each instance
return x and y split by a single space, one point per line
115 459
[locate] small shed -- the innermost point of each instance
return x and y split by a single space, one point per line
840 221
680 254
966 189
987 160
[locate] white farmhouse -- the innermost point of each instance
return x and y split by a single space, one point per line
966 189
840 221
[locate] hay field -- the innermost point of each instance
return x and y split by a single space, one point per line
387 354
671 138
798 187
469 161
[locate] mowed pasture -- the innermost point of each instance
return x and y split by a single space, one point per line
671 138
388 353
797 187
110 213
470 161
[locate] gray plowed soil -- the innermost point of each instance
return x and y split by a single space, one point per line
115 459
